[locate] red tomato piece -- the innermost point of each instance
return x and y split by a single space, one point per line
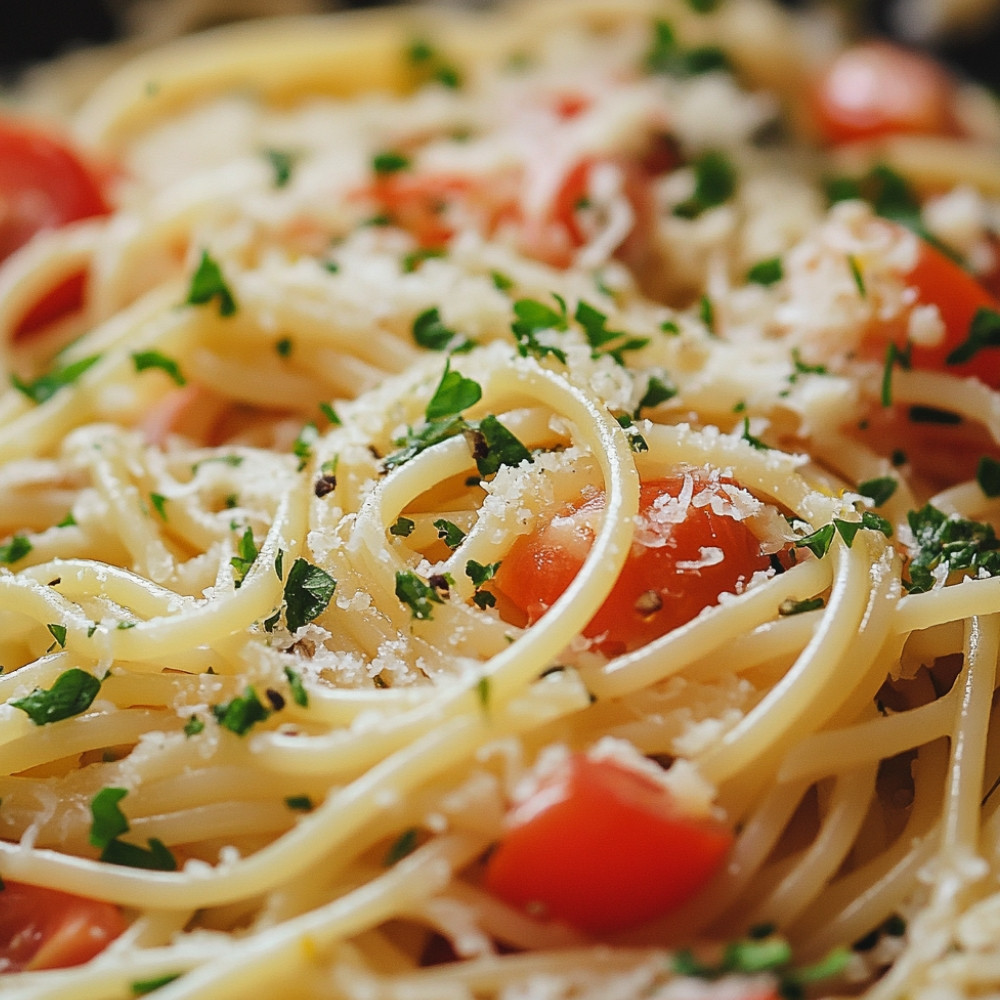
47 929
684 556
603 847
876 89
43 185
959 296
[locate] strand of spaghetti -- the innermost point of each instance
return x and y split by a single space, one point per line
244 379
968 397
70 737
965 500
708 633
946 604
351 751
316 835
816 866
829 751
858 901
849 635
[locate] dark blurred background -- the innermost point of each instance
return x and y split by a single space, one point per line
32 30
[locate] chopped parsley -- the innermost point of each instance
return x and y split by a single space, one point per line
405 844
330 413
416 441
706 311
431 66
483 691
893 356
207 283
666 55
454 394
878 490
501 282
242 713
602 340
299 693
284 347
73 692
790 607
417 594
754 442
403 527
859 279
480 574
988 476
69 521
533 317
389 162
984 331
766 272
299 803
58 633
415 258
193 726
109 823
658 391
159 502
818 542
246 554
308 591
46 386
636 442
302 446
143 986
449 532
494 446
952 544
430 332
16 549
144 360
282 163
932 415
714 184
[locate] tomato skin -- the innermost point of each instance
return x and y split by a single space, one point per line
48 929
876 89
667 564
43 185
958 296
604 848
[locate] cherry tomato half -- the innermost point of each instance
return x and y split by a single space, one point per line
876 89
43 185
603 847
685 555
47 929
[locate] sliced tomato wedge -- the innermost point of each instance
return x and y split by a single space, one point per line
876 89
603 847
685 554
44 184
47 929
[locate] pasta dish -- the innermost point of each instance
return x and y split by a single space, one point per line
502 506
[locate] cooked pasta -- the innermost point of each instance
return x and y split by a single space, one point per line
499 506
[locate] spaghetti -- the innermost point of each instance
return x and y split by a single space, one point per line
508 513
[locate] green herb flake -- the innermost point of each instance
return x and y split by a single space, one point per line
389 162
15 550
454 394
207 283
299 803
422 438
766 272
988 476
193 726
404 845
715 184
984 332
246 554
658 390
706 312
451 534
242 713
330 413
636 442
73 692
108 821
143 986
146 360
46 386
155 857
412 261
494 446
308 592
159 502
416 594
501 282
534 317
403 527
819 541
299 693
790 607
666 55
302 447
283 347
602 340
880 489
483 692
859 279
282 163
69 521
58 633
754 442
950 544
430 332
893 356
